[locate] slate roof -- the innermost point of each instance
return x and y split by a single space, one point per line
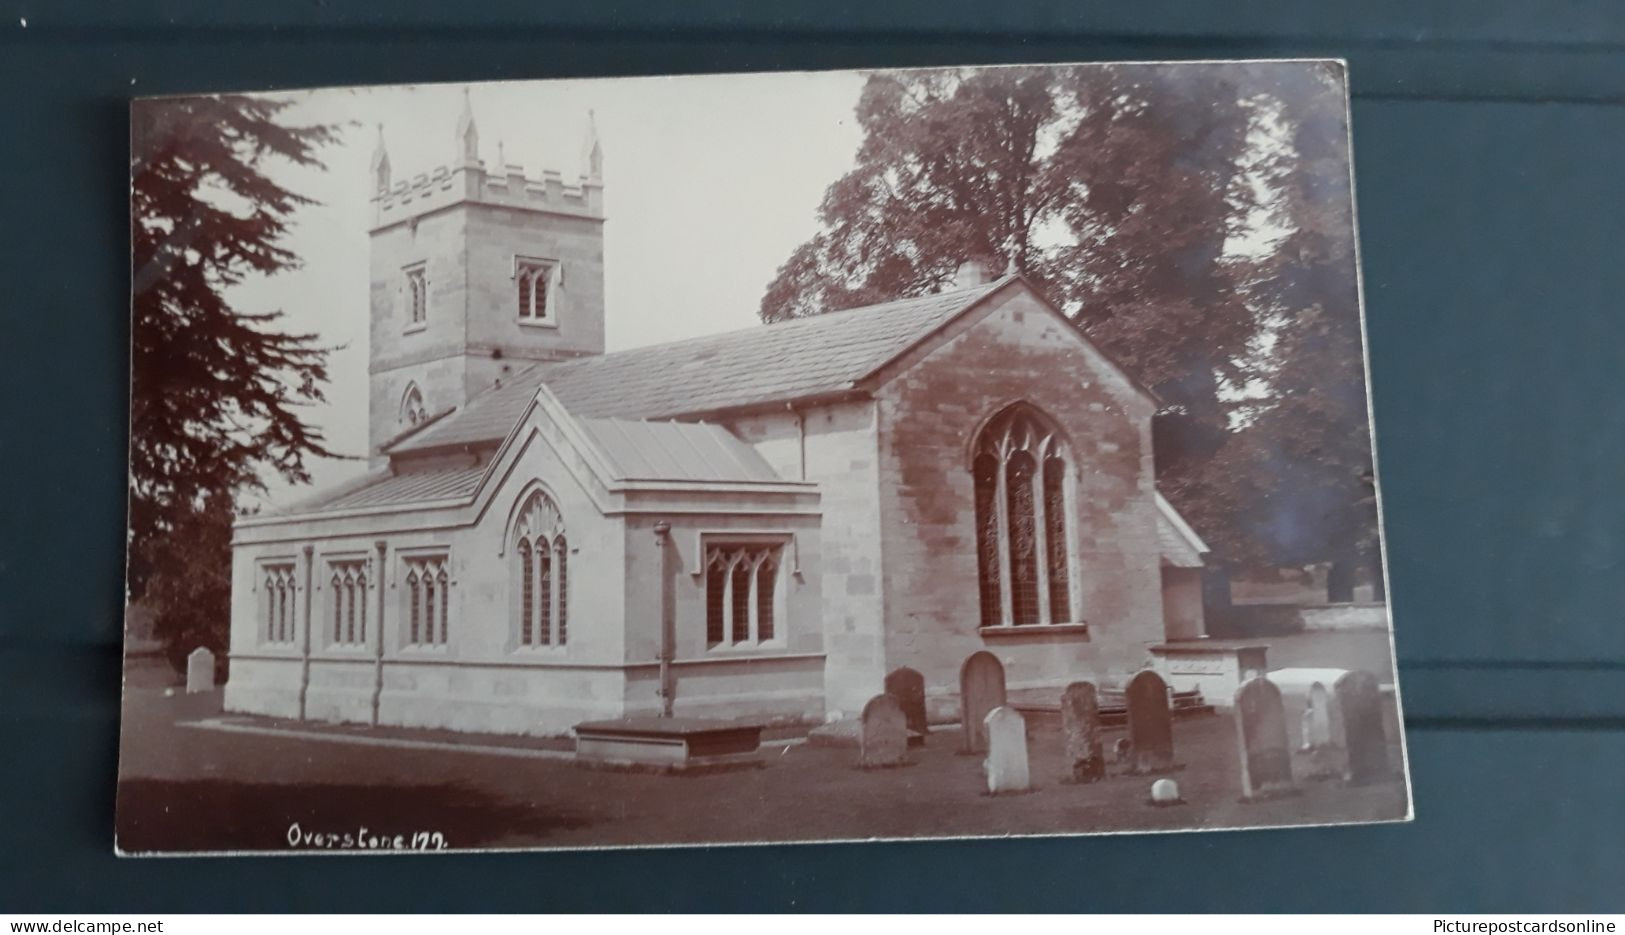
766 364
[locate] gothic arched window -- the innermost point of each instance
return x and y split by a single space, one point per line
1020 476
539 590
535 279
412 409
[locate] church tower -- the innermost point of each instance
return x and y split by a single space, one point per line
477 272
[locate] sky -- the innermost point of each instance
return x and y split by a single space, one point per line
709 183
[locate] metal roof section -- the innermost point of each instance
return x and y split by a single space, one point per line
386 489
676 451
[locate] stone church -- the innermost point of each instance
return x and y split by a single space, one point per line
760 523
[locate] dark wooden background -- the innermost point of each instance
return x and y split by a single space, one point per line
1489 139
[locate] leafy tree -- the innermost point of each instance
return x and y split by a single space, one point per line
1117 190
1309 443
1195 221
216 391
190 586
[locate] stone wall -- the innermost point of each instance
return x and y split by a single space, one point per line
929 411
834 446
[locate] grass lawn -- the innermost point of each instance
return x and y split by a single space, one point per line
187 788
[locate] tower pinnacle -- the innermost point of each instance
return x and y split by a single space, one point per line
380 164
468 135
592 151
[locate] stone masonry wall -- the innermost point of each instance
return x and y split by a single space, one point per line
929 413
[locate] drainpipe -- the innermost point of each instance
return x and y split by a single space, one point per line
378 656
801 440
668 615
304 651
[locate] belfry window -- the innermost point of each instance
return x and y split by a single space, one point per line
541 582
417 296
277 603
741 594
347 602
428 601
1020 476
536 287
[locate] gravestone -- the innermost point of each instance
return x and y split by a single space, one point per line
981 689
1150 723
1266 757
199 671
1317 718
1080 726
908 687
1006 764
883 734
1365 743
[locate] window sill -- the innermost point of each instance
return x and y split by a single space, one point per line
744 649
414 329
537 323
557 649
1034 630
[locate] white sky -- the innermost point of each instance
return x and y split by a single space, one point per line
709 183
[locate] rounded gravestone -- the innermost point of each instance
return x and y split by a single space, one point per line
199 671
981 689
882 734
1150 723
1007 767
1365 742
1262 744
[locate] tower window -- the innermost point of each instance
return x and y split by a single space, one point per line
536 282
417 294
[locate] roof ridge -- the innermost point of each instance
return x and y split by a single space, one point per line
805 320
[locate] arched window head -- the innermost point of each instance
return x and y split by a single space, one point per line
412 409
539 589
1021 471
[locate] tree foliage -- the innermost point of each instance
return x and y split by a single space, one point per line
216 391
1194 220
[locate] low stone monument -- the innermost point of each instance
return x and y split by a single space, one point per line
1085 758
1006 764
1265 752
1165 792
1150 723
1365 743
981 689
883 734
908 687
199 671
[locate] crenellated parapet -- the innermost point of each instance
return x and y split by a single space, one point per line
506 186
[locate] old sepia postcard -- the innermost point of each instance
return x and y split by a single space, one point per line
758 458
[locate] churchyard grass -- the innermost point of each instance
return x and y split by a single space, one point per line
188 787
